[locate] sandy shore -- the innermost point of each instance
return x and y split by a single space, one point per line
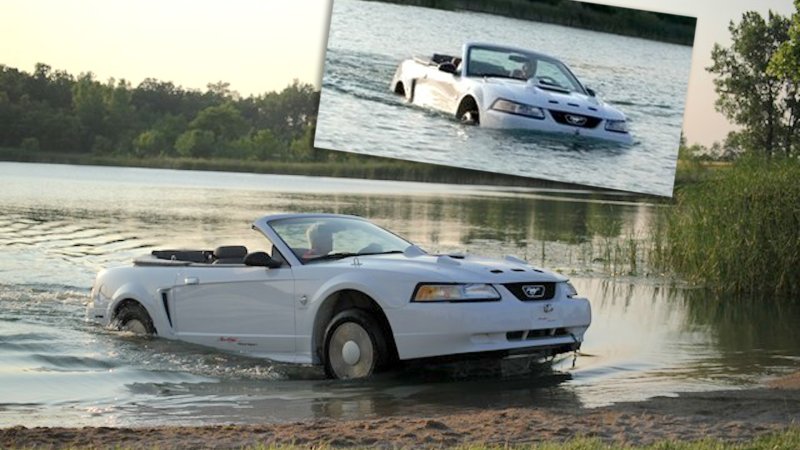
727 415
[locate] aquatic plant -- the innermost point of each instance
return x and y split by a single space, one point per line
738 231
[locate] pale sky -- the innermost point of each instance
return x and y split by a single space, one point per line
261 46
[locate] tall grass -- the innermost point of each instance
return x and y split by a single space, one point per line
738 231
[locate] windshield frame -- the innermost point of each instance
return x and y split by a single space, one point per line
341 221
509 51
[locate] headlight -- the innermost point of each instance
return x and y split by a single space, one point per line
571 291
520 109
617 126
455 292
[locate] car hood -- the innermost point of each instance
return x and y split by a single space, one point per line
530 93
455 268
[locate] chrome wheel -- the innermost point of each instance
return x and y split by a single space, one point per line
134 326
355 345
351 351
470 118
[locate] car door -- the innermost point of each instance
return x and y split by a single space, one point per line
236 307
442 88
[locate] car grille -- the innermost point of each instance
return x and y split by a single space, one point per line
575 120
528 335
532 291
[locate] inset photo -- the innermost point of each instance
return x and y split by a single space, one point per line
558 90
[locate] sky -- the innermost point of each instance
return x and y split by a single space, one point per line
263 45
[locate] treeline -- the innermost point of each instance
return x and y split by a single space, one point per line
53 111
610 19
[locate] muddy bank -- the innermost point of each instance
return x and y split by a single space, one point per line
728 415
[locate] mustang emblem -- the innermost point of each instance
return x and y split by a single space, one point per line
533 291
575 120
548 308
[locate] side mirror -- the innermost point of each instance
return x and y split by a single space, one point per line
448 68
261 259
591 92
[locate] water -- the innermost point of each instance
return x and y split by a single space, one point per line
60 224
358 113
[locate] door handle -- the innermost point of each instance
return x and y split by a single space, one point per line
191 280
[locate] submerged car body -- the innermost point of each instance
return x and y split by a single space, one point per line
505 87
344 293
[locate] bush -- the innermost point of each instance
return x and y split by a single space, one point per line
31 144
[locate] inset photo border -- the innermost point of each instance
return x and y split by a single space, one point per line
584 94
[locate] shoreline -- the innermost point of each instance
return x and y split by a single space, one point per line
353 166
727 416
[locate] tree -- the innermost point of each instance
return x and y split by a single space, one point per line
224 120
786 61
785 64
150 143
748 95
266 146
196 143
88 101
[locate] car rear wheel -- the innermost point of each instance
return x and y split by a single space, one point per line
354 345
133 318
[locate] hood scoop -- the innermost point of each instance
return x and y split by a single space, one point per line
448 260
413 251
515 260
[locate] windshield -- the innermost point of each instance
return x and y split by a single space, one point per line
548 73
314 239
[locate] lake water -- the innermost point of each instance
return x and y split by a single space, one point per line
647 80
60 224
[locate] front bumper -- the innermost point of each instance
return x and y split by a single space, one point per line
423 330
501 120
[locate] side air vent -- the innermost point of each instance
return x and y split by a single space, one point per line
165 301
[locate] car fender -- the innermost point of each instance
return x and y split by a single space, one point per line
475 91
362 282
138 293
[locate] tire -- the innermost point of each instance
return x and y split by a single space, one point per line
133 318
354 345
468 113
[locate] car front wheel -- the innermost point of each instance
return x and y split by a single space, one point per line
133 318
354 345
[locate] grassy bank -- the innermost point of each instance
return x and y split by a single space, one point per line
737 229
785 440
347 166
610 19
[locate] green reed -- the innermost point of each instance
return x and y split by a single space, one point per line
737 231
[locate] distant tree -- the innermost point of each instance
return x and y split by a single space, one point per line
222 91
196 143
150 143
224 120
266 146
748 95
302 148
89 104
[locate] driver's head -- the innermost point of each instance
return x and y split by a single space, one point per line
529 68
320 238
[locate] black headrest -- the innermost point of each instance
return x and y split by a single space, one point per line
230 251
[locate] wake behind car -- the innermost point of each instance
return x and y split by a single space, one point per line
505 87
341 292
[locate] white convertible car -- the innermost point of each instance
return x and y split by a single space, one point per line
341 292
505 87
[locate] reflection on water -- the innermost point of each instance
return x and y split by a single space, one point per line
60 224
